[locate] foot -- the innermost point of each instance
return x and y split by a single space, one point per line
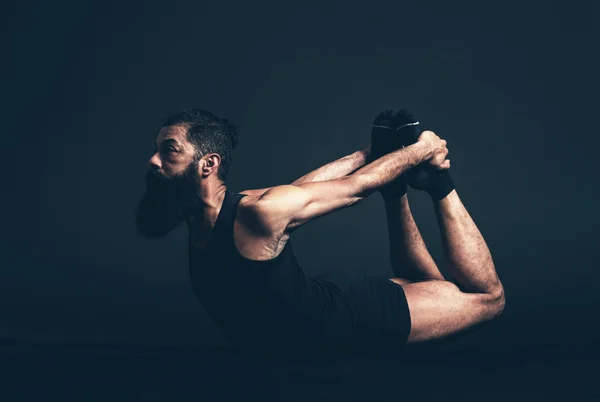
384 139
437 183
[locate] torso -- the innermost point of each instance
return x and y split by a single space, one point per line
251 244
254 289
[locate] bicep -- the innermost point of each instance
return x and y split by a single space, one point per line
290 206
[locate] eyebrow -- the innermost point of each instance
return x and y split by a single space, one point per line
169 140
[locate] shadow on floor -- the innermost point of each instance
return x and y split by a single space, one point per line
128 372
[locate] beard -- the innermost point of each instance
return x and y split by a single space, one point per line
166 203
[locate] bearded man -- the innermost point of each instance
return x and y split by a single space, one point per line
242 265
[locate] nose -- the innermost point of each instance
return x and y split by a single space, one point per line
154 162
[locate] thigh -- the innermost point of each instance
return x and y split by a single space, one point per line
438 309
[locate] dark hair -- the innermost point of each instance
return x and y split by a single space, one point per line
209 134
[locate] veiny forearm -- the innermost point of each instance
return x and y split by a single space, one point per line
336 169
385 169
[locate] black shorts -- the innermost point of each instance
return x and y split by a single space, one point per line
342 314
375 316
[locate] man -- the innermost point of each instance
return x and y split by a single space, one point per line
244 271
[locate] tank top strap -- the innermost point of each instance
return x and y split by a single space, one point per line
223 230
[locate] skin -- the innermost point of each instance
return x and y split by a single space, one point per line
266 218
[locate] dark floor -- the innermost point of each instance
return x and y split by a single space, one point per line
124 372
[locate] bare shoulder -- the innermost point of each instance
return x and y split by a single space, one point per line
248 211
257 235
257 214
277 199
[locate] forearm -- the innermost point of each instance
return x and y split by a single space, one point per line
336 169
387 168
290 206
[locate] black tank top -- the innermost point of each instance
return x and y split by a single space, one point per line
268 304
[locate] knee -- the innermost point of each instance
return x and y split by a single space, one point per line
496 302
490 303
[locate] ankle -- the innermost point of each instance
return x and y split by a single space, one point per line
393 198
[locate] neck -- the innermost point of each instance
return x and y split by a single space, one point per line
202 220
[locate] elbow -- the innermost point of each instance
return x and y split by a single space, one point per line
356 200
355 193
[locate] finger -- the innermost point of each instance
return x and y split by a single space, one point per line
442 165
438 157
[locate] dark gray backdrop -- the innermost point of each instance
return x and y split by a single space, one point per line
512 86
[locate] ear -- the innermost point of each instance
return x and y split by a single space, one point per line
210 165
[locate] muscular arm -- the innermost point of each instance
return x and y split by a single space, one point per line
336 169
283 208
333 170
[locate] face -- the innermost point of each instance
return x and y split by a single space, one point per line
172 184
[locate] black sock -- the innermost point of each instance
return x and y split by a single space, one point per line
437 183
385 139
442 185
